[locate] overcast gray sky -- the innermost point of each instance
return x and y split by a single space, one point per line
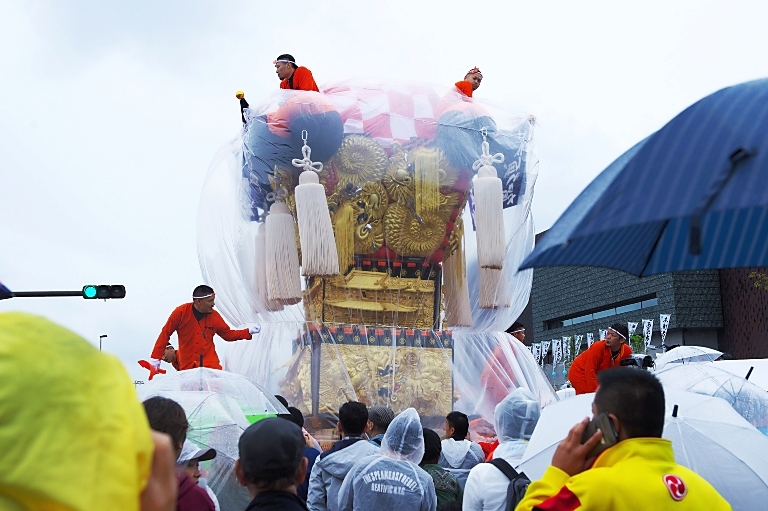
111 112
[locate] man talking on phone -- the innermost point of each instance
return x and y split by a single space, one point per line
639 461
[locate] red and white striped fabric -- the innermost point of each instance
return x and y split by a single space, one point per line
386 114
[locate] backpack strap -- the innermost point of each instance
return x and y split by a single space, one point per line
505 467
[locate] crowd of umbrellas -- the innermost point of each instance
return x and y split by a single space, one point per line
717 422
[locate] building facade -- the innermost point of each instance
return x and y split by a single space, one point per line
721 309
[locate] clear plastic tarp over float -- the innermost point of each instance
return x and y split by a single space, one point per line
410 318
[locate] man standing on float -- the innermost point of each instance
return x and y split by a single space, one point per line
292 76
195 324
471 82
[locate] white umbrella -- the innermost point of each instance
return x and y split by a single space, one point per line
749 400
553 426
757 368
686 354
707 436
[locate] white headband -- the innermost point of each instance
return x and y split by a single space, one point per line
518 330
617 333
201 297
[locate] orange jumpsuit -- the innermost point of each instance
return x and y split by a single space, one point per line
584 369
301 80
195 337
497 377
465 87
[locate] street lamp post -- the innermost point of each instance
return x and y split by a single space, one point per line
101 337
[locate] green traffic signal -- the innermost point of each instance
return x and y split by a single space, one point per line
103 292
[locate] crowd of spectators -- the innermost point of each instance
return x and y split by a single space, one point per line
133 457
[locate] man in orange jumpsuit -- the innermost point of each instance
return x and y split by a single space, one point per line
498 379
600 356
195 324
471 82
292 76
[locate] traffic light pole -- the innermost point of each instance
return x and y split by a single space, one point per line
27 294
89 292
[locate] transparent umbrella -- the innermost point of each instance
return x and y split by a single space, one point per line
749 400
553 426
219 407
707 435
685 355
254 401
756 369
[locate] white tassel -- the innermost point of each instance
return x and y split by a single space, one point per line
261 272
494 288
318 247
457 309
283 277
489 210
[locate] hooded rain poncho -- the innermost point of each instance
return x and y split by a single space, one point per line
73 434
515 418
392 479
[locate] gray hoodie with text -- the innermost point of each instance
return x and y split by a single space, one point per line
329 472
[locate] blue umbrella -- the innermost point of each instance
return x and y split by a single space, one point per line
5 293
691 196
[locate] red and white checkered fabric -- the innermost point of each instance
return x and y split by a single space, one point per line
386 114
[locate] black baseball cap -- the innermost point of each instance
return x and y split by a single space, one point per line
271 449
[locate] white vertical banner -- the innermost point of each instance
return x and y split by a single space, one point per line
536 352
544 351
663 326
631 326
647 332
602 333
557 352
567 349
590 339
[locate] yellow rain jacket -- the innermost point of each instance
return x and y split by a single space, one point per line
73 434
636 474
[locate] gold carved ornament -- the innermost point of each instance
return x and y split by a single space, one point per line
408 235
370 207
359 161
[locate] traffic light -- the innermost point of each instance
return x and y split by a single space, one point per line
103 292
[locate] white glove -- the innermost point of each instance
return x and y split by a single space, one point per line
154 362
255 329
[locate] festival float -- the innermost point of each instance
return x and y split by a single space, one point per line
375 231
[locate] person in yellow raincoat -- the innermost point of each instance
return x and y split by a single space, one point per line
73 434
637 473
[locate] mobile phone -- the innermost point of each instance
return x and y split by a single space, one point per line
603 423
